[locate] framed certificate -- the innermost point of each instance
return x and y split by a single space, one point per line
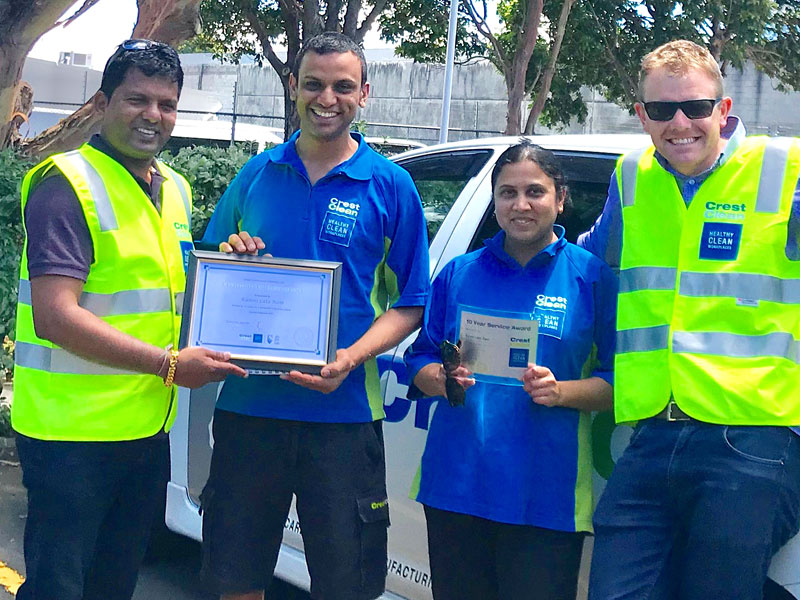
271 314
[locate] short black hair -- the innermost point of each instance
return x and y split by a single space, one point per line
328 43
154 59
542 157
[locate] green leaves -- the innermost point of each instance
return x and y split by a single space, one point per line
420 30
13 167
209 171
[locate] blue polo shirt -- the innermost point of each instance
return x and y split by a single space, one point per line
501 456
365 213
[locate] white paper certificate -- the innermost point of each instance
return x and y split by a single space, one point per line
497 346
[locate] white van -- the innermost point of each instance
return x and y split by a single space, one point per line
196 132
187 132
454 183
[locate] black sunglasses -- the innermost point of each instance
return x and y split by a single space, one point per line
451 360
693 109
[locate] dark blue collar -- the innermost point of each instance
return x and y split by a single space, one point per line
358 166
545 255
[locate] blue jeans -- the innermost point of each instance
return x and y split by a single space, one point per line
91 506
695 511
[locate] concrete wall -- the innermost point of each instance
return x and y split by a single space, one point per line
405 98
66 85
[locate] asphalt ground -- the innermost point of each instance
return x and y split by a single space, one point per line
170 571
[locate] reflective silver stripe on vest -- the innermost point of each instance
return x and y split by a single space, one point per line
778 344
770 186
644 339
647 278
184 195
179 303
102 203
58 360
630 166
749 286
127 302
24 291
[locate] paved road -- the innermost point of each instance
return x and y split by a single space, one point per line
170 573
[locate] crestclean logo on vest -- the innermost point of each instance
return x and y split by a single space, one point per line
724 212
339 222
722 230
550 312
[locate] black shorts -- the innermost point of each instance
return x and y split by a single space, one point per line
338 474
476 559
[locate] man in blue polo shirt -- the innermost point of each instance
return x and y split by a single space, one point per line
322 195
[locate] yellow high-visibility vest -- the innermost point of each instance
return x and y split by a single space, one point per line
135 284
709 303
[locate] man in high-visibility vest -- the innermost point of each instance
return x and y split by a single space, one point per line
705 228
101 281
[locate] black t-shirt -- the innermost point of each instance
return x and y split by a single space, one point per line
59 242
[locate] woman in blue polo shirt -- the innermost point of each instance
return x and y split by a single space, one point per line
506 476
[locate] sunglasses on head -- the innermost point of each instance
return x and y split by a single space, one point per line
693 109
451 360
135 44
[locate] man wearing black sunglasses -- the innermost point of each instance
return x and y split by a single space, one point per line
705 228
101 280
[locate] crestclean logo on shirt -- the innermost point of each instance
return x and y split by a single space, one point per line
344 208
550 312
723 211
339 222
551 302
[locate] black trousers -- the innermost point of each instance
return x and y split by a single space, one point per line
476 559
91 506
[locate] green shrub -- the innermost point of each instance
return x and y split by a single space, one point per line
7 359
13 167
209 171
5 420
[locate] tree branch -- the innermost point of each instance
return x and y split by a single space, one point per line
550 69
350 28
332 15
87 4
249 11
168 21
21 24
629 86
526 42
483 29
312 21
366 25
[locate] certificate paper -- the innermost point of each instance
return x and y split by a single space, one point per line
497 345
270 314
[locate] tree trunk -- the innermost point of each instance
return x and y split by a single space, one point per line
21 24
515 82
550 69
168 21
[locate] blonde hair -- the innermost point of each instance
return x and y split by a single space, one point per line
679 57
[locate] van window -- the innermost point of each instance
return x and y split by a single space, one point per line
440 178
587 178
